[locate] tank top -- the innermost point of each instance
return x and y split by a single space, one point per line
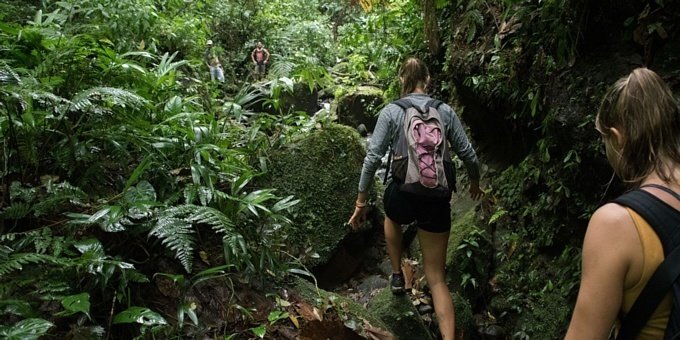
652 251
259 55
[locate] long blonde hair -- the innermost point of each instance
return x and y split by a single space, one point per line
413 74
642 107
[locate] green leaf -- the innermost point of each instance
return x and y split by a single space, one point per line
90 246
259 331
139 170
76 303
28 329
140 315
15 307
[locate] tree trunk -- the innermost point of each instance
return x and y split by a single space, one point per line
431 26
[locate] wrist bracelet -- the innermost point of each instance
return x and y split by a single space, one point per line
360 204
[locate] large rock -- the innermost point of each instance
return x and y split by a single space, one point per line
360 107
277 97
322 169
398 312
353 321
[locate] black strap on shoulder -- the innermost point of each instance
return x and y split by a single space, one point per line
435 103
662 218
404 104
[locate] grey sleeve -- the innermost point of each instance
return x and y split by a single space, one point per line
380 141
462 146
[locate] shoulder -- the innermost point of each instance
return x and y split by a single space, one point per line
391 109
611 215
611 229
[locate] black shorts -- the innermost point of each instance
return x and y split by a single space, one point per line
430 214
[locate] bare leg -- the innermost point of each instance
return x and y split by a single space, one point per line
393 240
433 247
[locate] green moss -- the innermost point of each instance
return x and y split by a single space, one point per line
348 307
322 169
398 312
460 228
464 319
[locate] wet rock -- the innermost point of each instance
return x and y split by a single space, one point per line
399 313
492 332
372 282
425 309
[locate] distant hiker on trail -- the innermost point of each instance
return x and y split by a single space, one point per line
213 63
422 178
260 57
637 235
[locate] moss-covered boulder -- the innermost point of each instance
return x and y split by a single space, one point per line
278 97
322 169
353 316
399 314
360 106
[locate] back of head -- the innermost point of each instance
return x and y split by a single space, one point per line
642 107
413 74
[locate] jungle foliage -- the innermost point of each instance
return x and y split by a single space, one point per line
118 152
128 177
530 76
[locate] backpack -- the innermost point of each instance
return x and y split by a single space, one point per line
420 160
665 221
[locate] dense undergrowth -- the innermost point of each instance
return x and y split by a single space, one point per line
529 76
126 171
119 153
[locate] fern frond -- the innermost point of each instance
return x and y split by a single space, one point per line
280 69
175 233
19 260
28 148
16 211
116 96
213 217
8 75
49 99
59 194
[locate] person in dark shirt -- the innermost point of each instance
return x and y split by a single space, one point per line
260 57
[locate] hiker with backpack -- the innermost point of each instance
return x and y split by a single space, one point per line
418 130
631 257
260 57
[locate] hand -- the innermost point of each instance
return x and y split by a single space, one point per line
358 218
475 192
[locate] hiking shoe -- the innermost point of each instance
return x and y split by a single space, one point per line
397 283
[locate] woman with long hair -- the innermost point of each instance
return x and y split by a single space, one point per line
639 122
432 215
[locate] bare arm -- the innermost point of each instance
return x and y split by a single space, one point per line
252 56
266 55
610 247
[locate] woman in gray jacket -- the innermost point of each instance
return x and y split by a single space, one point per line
432 215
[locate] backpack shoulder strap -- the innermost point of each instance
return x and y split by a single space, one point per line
662 218
403 103
434 103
